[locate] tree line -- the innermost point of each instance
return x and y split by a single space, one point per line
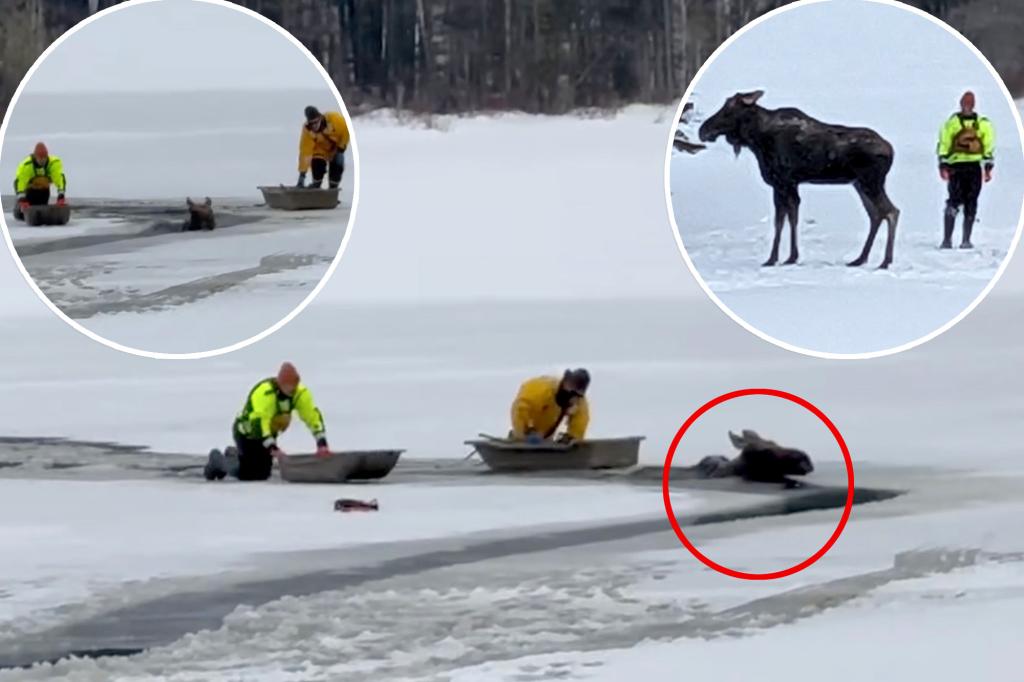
547 56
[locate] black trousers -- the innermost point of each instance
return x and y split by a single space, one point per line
255 462
964 188
334 169
36 197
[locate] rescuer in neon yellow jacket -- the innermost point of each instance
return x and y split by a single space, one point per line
966 151
543 403
35 175
265 415
322 146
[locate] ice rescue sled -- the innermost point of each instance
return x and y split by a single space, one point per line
501 454
299 198
50 214
350 465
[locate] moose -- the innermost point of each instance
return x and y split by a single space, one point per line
792 148
200 216
760 460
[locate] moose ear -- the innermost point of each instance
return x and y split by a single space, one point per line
737 442
209 201
188 201
750 98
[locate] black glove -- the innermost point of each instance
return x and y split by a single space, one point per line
302 180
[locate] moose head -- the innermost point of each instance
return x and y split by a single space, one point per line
200 215
732 120
783 461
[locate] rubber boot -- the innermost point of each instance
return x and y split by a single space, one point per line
947 230
968 228
231 461
216 467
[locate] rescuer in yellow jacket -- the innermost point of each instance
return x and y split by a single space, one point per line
265 415
322 146
34 178
966 150
543 403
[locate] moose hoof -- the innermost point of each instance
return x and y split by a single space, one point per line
885 265
791 260
768 263
856 263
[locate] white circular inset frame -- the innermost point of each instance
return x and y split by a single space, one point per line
801 56
325 259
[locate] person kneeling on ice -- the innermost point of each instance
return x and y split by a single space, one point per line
33 179
322 147
266 415
543 403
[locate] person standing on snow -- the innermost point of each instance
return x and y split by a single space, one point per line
33 179
322 147
966 151
265 415
543 403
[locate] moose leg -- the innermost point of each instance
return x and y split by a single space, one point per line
794 218
892 217
780 219
875 220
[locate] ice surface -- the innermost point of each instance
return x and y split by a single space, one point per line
65 541
724 209
427 375
167 145
641 608
186 292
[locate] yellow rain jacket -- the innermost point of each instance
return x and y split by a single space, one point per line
31 175
535 409
267 412
967 140
324 144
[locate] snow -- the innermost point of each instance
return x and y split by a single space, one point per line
57 555
641 607
400 351
134 290
821 305
846 647
130 291
81 227
227 147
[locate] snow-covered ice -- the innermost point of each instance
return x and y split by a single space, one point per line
154 288
405 350
141 134
724 209
61 554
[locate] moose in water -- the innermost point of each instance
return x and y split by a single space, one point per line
760 460
792 148
200 216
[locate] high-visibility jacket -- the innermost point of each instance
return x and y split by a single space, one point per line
33 175
980 127
323 144
535 409
267 412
